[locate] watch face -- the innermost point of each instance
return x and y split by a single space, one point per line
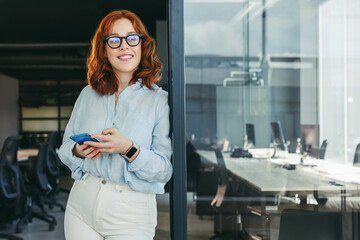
131 152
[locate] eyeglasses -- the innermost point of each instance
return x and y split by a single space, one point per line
115 42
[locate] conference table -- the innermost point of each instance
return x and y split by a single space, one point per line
307 179
268 176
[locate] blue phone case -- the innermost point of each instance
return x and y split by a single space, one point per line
81 138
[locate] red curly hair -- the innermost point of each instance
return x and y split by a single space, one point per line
100 75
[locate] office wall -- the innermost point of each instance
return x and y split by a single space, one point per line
236 105
201 103
339 78
9 108
308 73
285 99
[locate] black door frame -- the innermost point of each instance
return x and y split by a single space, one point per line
178 199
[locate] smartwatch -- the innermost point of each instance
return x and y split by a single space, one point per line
132 150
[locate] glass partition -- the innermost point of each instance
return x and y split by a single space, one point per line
271 118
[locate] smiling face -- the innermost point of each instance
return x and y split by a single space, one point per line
125 59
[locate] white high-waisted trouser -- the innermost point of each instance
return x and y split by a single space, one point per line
99 209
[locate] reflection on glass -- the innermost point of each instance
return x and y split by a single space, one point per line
251 63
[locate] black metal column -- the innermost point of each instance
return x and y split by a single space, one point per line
178 223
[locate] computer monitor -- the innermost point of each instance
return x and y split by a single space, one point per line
250 132
310 139
278 136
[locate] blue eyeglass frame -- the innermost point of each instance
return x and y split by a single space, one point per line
121 38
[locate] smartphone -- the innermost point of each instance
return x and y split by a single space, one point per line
81 138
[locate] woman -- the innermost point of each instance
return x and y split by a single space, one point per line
117 178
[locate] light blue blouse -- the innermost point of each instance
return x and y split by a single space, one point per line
141 115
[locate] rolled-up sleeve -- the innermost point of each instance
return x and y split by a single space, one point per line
154 165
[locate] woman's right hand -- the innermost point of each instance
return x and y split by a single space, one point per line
86 151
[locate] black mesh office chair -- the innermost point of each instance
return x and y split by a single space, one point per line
53 170
300 225
219 201
36 186
250 136
226 206
193 165
357 156
215 180
206 183
10 193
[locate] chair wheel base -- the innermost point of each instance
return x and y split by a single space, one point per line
52 227
18 229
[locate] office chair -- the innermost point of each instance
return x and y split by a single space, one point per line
226 208
357 156
194 168
36 186
278 135
322 149
250 136
193 165
218 200
232 196
207 178
211 196
53 170
10 193
300 225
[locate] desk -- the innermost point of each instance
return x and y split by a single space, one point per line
24 154
269 178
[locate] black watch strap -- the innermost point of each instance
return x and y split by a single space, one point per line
131 152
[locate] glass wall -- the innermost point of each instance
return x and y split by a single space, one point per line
271 118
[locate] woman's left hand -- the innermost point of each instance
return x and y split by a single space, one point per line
114 142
